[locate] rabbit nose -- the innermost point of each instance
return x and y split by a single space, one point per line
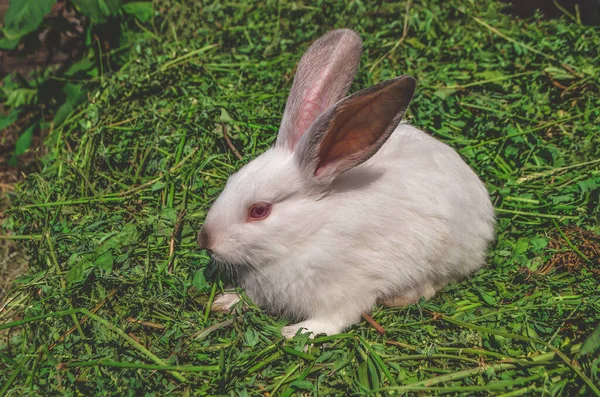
203 239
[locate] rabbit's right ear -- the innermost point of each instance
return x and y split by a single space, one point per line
354 129
324 75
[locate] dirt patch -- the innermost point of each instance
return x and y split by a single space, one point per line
13 263
588 11
567 258
55 45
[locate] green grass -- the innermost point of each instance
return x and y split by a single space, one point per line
115 299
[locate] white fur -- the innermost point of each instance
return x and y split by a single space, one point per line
404 223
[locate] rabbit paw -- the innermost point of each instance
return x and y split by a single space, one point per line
315 327
224 302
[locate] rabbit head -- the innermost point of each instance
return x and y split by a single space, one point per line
275 201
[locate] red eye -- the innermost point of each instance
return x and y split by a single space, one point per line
259 211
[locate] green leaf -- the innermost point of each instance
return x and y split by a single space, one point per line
24 140
324 357
558 73
444 93
9 44
521 246
127 236
142 10
302 384
413 41
199 281
589 185
490 75
489 299
592 343
225 117
24 16
6 120
538 243
363 375
82 65
80 271
74 95
250 337
105 261
98 10
166 221
20 96
23 143
373 374
158 185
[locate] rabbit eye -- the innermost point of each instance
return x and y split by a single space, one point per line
259 211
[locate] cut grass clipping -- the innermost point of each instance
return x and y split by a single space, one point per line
116 299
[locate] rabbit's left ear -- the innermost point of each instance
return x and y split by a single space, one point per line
354 129
324 75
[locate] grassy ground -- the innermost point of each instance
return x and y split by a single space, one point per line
115 299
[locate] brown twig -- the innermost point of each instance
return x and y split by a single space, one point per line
556 83
135 338
370 320
229 143
145 323
569 69
399 344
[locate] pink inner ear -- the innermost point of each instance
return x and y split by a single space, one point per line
311 109
361 125
315 101
323 77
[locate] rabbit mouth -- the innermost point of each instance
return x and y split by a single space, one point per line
215 256
220 259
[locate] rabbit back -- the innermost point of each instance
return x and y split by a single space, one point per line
414 216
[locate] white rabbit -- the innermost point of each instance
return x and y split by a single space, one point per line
349 207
